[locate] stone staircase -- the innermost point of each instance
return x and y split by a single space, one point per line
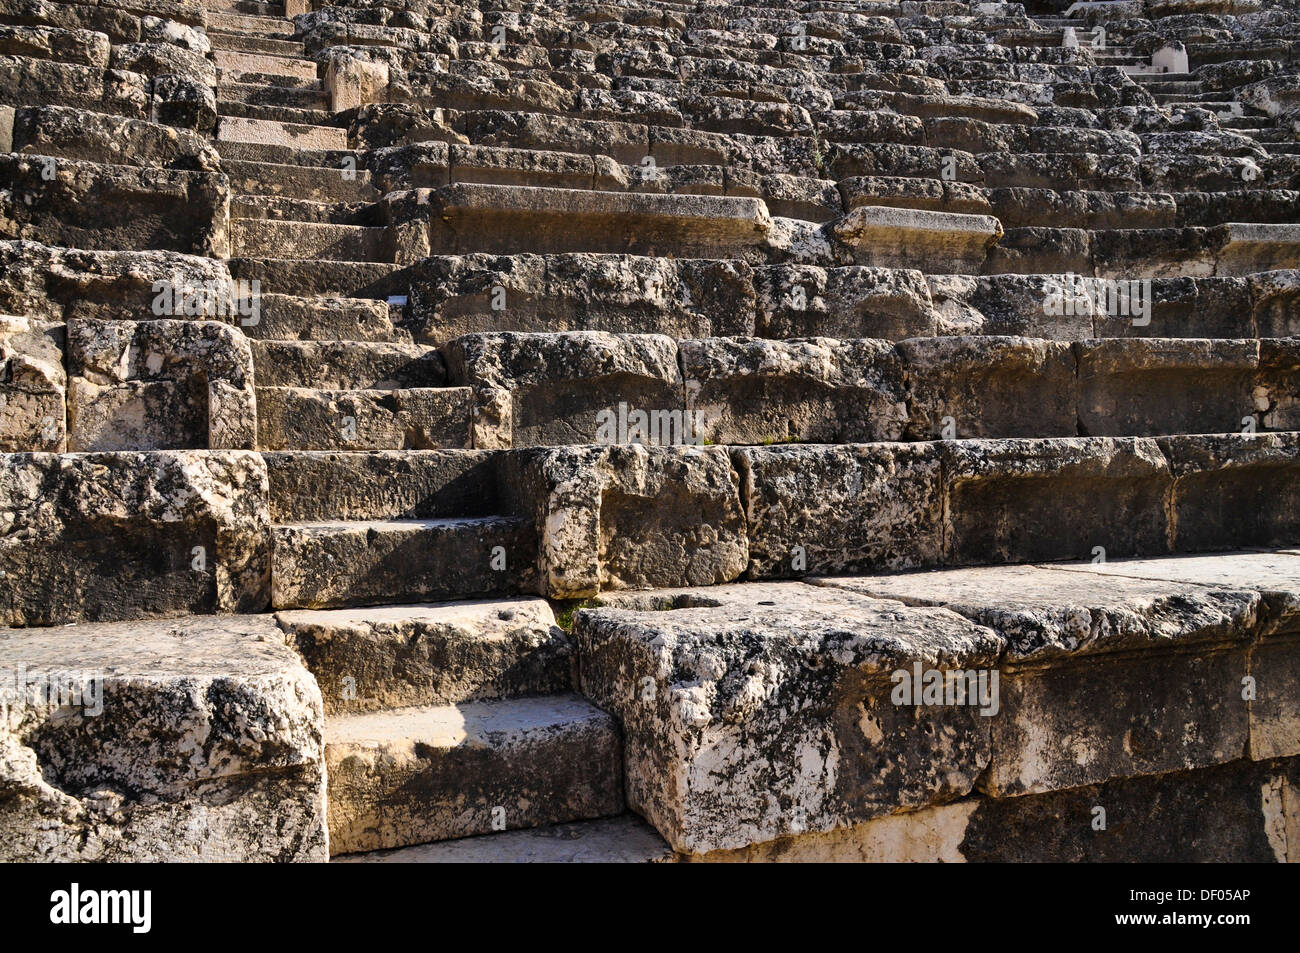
588 411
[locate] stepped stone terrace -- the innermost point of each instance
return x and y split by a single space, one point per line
649 431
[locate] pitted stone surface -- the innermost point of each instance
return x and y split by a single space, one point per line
193 739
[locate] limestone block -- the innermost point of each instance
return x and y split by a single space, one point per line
153 385
1233 813
437 654
624 294
988 387
1104 677
1233 490
752 391
846 302
909 238
33 385
628 517
752 712
190 740
566 388
1023 500
106 536
63 284
351 81
841 508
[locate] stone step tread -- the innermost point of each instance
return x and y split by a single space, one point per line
269 63
612 840
274 132
241 43
482 724
272 207
346 365
249 25
443 653
330 527
285 115
312 277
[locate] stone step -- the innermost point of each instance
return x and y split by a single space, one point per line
281 209
309 418
912 238
239 43
441 772
254 238
1015 500
384 562
246 7
625 839
125 695
504 219
309 277
293 318
372 659
1070 676
259 96
292 67
1232 249
284 115
237 23
285 153
751 391
313 183
287 134
316 486
346 365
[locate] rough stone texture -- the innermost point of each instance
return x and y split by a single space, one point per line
104 536
549 389
159 385
630 517
61 283
440 654
617 840
751 712
339 563
819 390
191 740
1104 677
1234 813
620 294
33 385
89 205
302 418
421 774
847 508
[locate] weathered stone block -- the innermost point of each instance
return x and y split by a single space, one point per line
841 509
439 654
554 389
33 386
751 712
106 536
849 302
751 391
159 385
190 740
1024 500
629 517
1104 676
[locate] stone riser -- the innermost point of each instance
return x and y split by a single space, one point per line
323 565
422 774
